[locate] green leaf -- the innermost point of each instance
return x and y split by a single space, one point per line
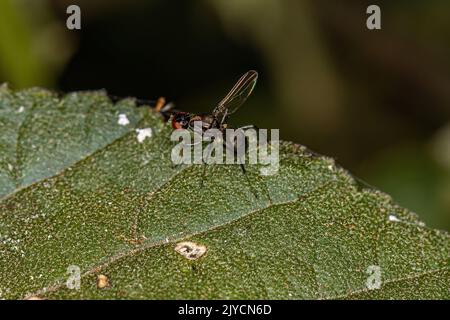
77 189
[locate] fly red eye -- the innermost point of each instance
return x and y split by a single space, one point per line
180 120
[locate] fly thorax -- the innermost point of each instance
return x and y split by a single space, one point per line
206 121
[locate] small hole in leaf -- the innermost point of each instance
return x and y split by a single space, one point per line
102 281
190 250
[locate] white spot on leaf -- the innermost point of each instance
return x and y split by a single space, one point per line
190 250
393 218
123 120
143 133
21 109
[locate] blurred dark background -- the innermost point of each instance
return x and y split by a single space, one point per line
377 101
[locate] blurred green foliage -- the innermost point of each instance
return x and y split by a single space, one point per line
18 62
33 46
412 177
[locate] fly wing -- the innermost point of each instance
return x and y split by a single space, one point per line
236 97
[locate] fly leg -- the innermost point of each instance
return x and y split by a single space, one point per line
205 163
162 106
165 109
241 164
251 126
248 180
